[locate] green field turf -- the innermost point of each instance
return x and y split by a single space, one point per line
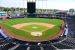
9 22
34 28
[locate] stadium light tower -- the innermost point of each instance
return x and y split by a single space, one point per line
31 7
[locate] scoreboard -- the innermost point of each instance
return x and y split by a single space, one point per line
31 6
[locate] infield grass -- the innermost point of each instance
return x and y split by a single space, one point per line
34 28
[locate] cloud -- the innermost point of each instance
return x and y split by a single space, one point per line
49 4
13 3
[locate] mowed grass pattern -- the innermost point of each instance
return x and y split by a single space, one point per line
34 28
9 22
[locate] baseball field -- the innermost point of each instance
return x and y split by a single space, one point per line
32 29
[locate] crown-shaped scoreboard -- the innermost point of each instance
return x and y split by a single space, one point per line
31 6
31 0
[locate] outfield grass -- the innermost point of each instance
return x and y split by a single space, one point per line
9 22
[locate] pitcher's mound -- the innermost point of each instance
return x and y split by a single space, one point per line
35 27
36 33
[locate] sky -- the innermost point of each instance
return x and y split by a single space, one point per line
41 4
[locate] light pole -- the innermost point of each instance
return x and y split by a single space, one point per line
23 7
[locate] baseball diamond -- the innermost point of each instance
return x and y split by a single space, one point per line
32 29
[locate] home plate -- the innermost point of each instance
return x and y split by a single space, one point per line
36 33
